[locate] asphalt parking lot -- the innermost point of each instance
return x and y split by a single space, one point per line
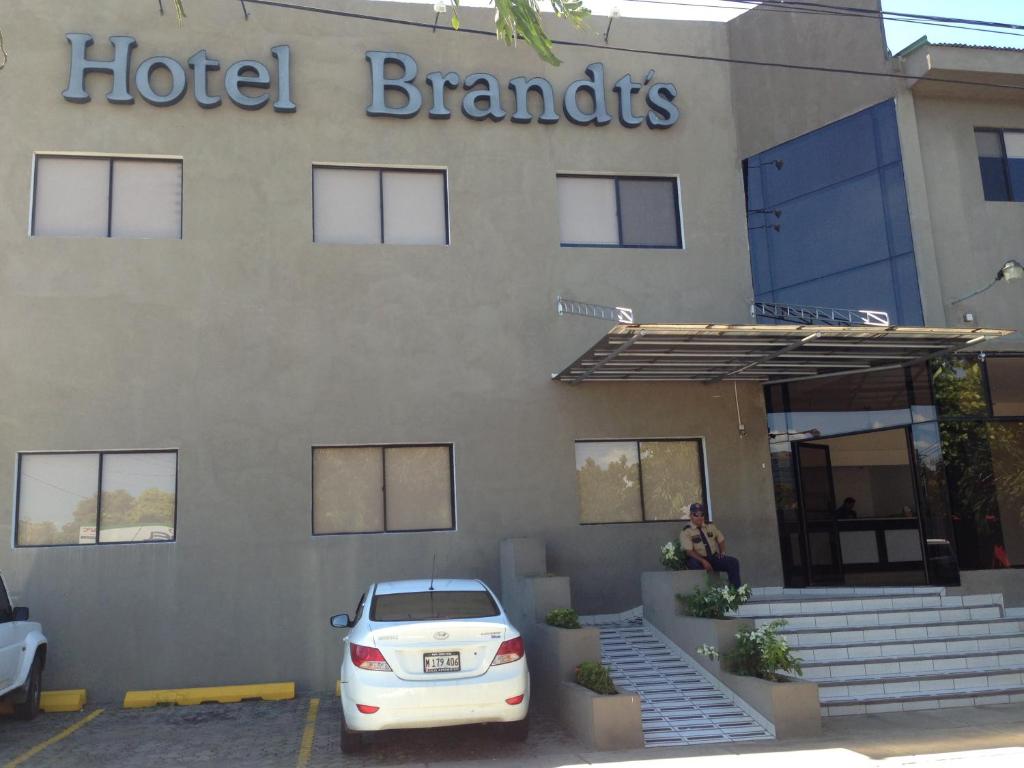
298 733
304 733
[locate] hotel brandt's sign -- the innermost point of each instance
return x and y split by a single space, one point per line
249 83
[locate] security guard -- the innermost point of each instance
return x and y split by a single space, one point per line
704 546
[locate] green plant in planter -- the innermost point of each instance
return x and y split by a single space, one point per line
672 557
758 653
595 676
566 618
713 601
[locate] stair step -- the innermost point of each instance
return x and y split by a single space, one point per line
822 671
887 618
928 682
855 604
804 592
872 651
907 702
799 638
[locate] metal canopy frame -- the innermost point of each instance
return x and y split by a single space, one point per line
769 354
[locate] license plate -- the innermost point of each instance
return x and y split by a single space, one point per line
442 662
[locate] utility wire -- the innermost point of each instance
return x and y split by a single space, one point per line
643 51
823 10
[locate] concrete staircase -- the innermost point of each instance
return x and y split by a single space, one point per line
899 648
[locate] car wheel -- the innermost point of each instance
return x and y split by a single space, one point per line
28 709
518 731
351 741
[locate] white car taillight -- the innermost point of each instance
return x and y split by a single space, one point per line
509 651
366 657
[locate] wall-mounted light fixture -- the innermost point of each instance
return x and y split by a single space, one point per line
613 14
1011 270
439 7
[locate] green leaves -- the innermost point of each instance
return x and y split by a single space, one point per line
566 618
595 676
714 602
520 20
180 10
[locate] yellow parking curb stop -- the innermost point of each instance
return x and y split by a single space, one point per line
221 694
63 701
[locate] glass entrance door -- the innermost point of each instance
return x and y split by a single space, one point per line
817 500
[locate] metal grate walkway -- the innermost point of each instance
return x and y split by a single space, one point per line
679 704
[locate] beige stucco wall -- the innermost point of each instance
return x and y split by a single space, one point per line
244 344
774 104
970 237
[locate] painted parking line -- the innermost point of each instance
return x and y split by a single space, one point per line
53 740
308 733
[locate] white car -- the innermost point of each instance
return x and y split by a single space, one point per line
431 653
22 658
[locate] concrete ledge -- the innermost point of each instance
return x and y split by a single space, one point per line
658 590
224 694
554 653
63 701
601 722
793 707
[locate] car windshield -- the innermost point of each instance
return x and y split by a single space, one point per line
429 606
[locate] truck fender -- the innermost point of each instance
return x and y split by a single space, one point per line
34 641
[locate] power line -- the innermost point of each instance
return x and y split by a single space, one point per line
817 9
642 51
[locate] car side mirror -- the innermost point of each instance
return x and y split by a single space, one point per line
341 621
20 614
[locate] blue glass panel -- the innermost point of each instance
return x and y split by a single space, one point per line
888 133
836 229
869 287
993 178
898 210
818 159
845 238
1015 170
908 293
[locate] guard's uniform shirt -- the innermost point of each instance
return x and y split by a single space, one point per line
691 542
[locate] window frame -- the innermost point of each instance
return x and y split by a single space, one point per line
677 206
381 170
704 480
99 497
1001 133
383 479
110 158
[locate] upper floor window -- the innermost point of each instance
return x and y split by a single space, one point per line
75 196
377 488
96 497
1001 156
634 481
620 211
380 205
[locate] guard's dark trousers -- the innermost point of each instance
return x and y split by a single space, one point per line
721 563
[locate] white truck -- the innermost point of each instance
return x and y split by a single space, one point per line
22 658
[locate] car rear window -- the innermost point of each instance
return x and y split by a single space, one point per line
428 606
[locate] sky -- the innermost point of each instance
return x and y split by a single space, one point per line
898 34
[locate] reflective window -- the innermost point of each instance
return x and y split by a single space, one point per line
1001 157
438 605
380 205
639 481
107 197
372 489
1006 385
959 387
619 211
104 497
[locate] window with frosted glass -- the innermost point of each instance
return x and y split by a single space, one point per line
358 206
374 489
96 497
107 197
619 211
1001 158
631 481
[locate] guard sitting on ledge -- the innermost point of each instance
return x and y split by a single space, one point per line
704 546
